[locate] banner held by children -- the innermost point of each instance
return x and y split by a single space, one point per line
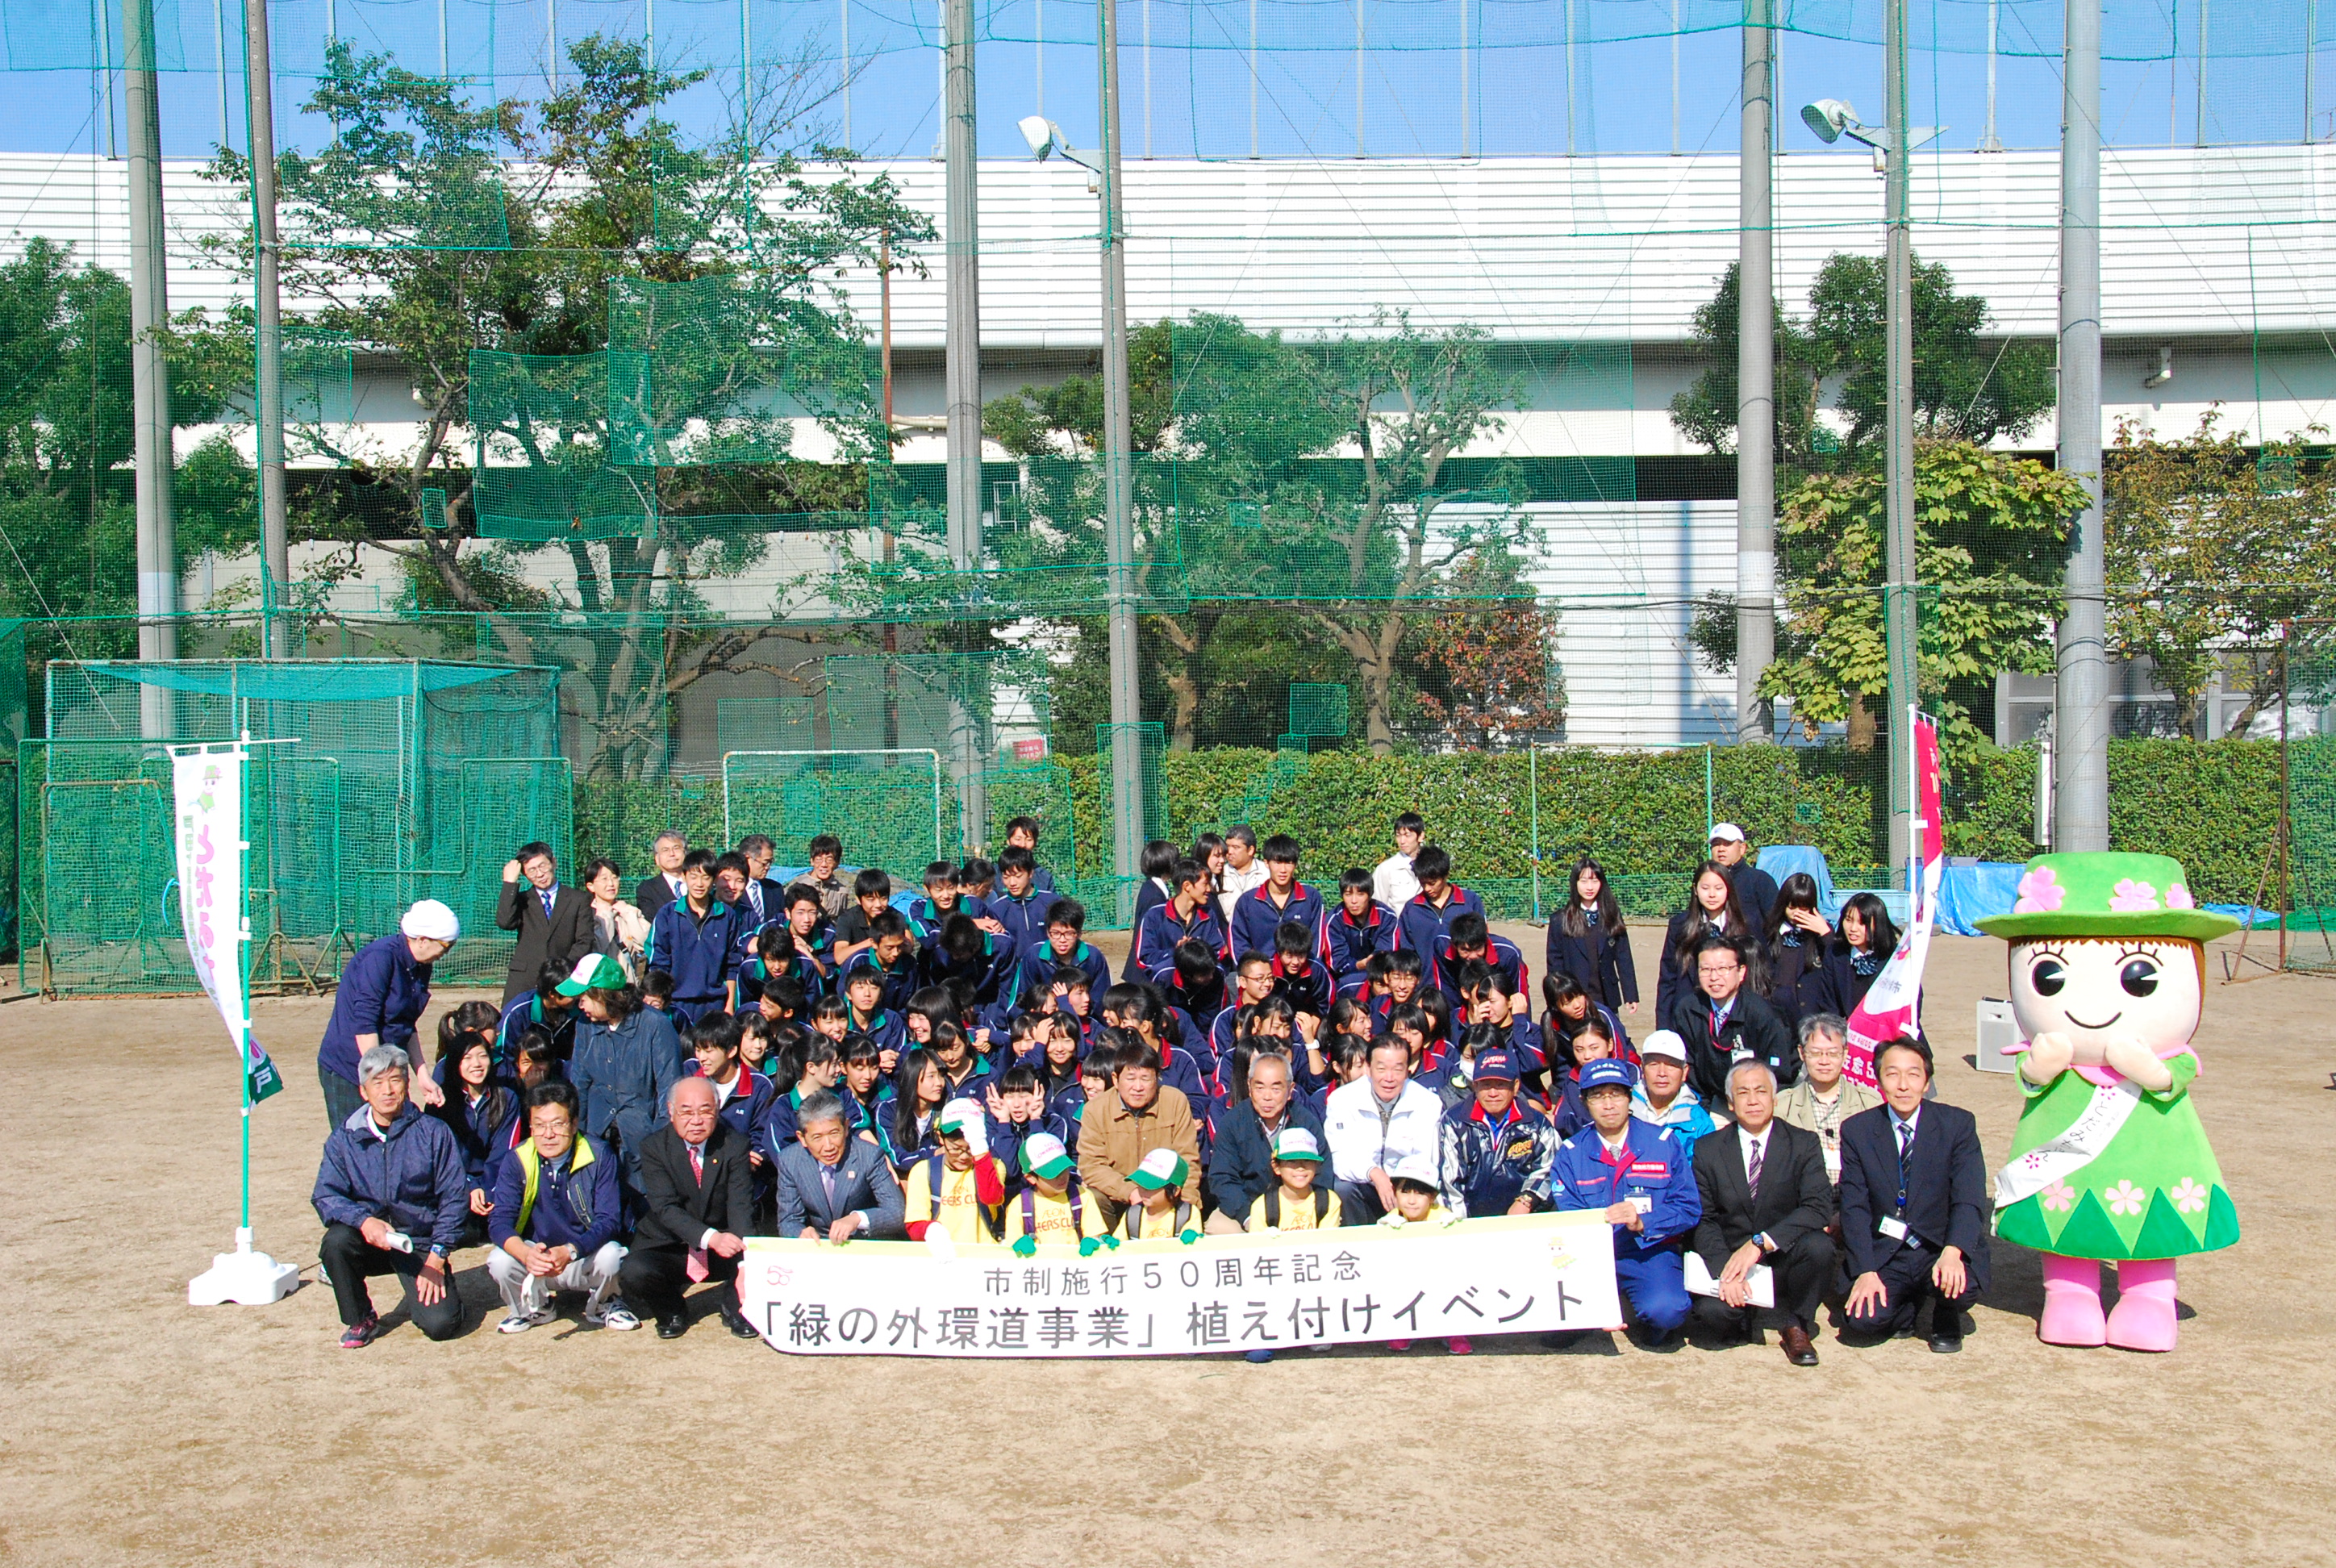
1890 1008
1535 1273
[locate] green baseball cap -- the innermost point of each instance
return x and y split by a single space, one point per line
2110 893
1042 1154
593 973
1160 1168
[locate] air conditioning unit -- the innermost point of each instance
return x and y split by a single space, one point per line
1998 1032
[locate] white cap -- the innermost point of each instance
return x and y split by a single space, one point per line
1665 1043
1415 1167
432 921
1726 833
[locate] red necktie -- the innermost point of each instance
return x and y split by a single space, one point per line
695 1268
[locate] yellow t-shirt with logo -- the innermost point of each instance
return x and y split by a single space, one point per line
1296 1211
960 1210
1051 1220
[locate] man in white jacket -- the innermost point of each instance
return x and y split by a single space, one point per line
1380 1121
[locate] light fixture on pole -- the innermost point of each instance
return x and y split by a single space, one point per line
1046 139
1830 119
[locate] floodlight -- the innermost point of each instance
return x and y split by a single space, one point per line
1828 118
1040 133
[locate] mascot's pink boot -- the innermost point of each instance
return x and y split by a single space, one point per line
2143 1319
2072 1302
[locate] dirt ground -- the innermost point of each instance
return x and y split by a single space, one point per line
140 1430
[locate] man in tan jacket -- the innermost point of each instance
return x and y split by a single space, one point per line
1129 1120
1824 1098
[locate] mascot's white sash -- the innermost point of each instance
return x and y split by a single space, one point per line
2079 1145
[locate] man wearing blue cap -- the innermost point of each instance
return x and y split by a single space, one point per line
1496 1152
1644 1180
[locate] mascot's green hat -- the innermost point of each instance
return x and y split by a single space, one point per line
2110 894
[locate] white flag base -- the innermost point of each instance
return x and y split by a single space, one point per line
246 1278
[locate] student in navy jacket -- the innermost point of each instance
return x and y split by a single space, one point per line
1259 913
543 1008
1189 916
554 1223
478 1111
1359 927
392 1193
1915 1207
1021 903
977 966
1423 925
1473 942
1588 940
1299 974
1063 945
1022 833
691 938
1156 864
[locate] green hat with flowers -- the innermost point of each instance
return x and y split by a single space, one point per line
2113 893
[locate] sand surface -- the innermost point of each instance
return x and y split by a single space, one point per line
140 1430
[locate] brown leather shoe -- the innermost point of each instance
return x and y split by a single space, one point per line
1799 1350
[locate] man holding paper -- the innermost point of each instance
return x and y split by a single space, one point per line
1761 1255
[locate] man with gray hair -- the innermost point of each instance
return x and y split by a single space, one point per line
1765 1204
697 1196
833 1187
671 848
392 1193
1826 1097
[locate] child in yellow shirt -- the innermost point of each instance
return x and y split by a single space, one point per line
962 1192
1419 1210
1297 1203
1050 1211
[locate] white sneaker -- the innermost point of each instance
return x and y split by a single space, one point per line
521 1322
615 1315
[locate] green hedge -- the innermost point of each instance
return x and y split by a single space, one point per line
2212 805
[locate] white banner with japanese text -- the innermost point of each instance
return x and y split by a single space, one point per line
1536 1273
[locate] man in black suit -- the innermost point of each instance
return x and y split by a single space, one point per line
765 900
554 923
663 886
1766 1200
696 1196
1724 1021
1914 1204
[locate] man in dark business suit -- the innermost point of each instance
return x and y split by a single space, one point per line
1766 1201
663 885
696 1197
833 1187
1914 1204
554 923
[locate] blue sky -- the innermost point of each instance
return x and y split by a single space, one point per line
1190 93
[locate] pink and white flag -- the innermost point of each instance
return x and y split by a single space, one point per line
1888 1010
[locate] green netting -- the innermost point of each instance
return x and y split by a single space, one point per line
691 377
764 724
966 705
408 780
895 809
1316 710
2311 853
1040 790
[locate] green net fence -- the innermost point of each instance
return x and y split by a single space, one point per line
614 382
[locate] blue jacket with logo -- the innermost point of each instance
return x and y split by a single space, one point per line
1488 1165
575 1202
1652 1162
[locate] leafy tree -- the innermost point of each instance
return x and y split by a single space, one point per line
719 257
1965 390
1706 412
1991 532
1492 685
2212 548
67 492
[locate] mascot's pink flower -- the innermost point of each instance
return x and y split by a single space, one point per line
2059 1196
2127 1199
2130 896
2177 897
2039 893
2190 1197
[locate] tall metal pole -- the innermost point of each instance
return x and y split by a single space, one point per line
267 357
2080 719
1988 142
1127 825
1898 595
1358 78
963 363
1756 389
149 309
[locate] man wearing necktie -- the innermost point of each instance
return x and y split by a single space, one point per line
834 1187
697 1199
1916 1205
554 923
1766 1202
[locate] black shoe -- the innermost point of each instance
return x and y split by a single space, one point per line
672 1327
1662 1344
739 1327
1946 1344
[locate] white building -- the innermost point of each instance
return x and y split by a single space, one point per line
2219 289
